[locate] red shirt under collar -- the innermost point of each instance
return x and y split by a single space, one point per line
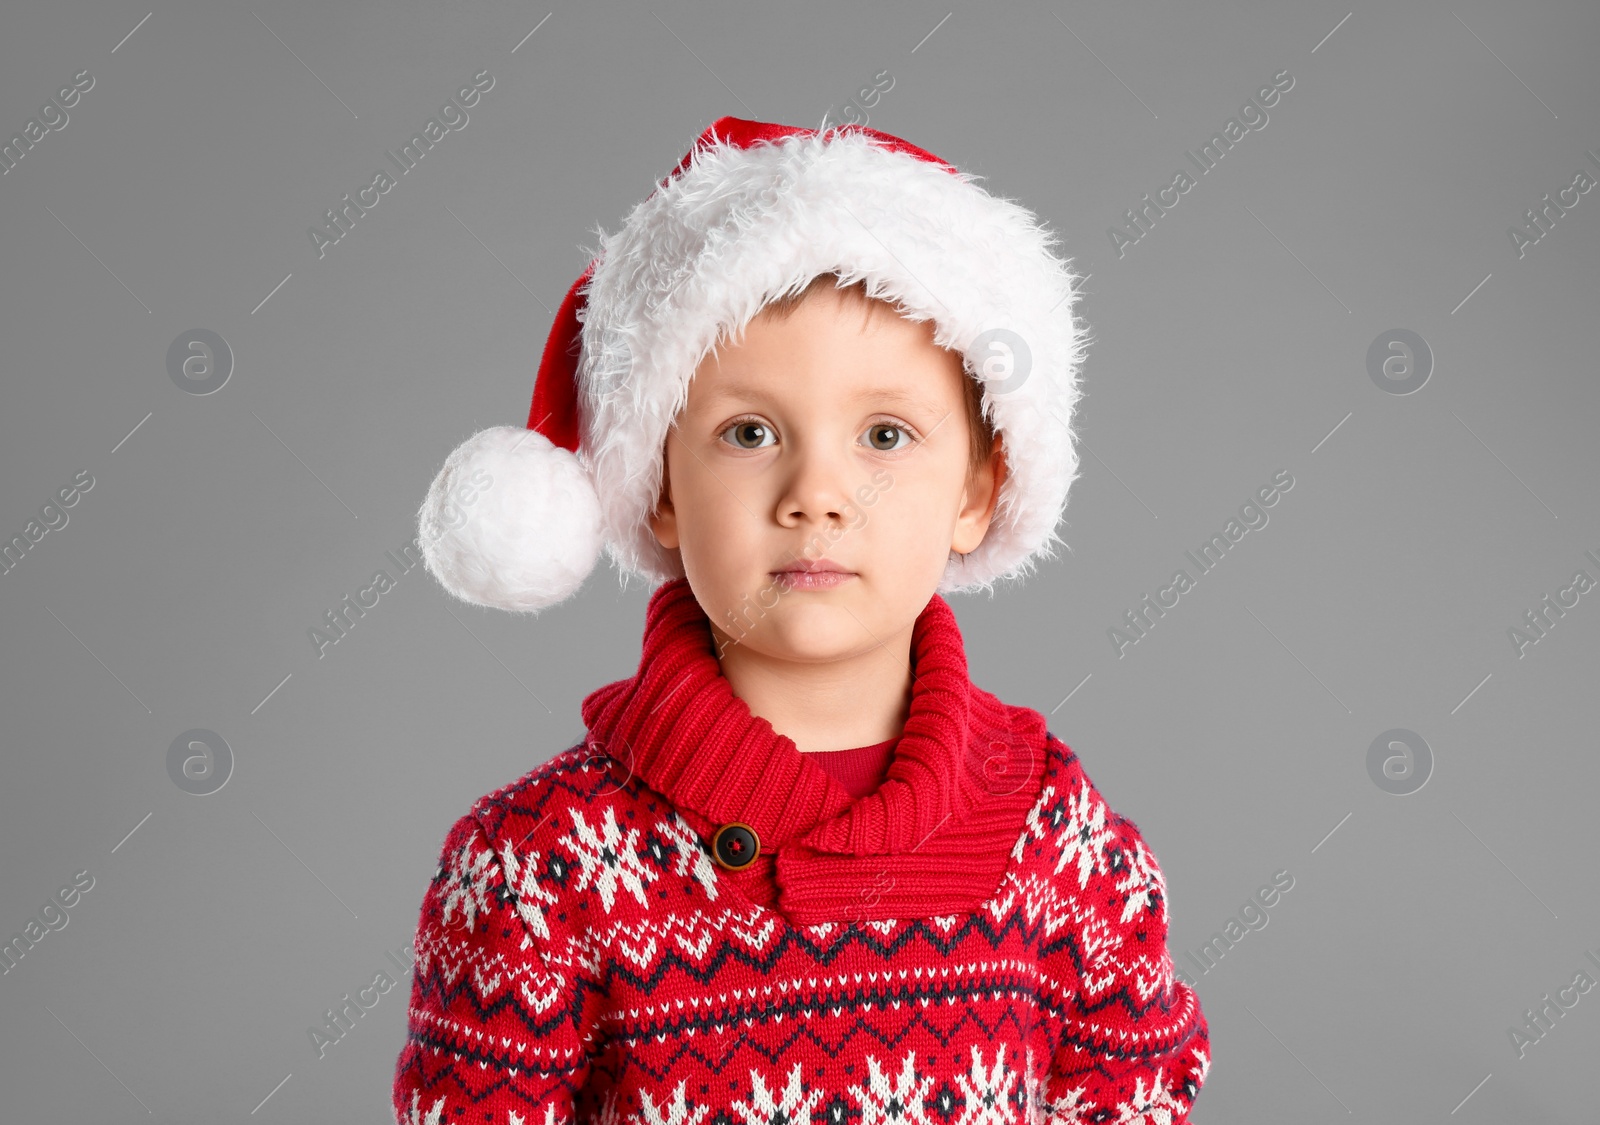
860 770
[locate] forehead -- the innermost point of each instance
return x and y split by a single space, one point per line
738 388
825 346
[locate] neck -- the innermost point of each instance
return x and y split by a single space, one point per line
859 700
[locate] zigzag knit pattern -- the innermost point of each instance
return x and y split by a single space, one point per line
581 957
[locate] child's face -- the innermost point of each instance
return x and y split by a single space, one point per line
818 437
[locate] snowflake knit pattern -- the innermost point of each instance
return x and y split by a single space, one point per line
580 957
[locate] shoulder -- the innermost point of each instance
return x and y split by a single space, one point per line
579 785
579 833
1088 850
1069 792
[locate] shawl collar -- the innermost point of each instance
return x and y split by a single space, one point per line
965 770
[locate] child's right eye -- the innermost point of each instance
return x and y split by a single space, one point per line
751 430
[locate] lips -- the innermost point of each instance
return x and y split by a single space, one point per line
814 576
814 566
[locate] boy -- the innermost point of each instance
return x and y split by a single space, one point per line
758 396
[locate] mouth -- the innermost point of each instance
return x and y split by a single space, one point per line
813 574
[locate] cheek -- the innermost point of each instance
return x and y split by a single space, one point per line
915 511
716 514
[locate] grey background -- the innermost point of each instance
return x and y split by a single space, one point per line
1231 342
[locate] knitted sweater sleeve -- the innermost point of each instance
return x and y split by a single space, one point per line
504 998
1134 1045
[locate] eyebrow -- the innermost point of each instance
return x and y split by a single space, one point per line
881 394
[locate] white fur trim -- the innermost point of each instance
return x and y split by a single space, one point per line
511 521
697 260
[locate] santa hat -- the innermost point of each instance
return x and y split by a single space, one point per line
517 516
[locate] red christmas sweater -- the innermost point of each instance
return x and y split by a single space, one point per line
981 940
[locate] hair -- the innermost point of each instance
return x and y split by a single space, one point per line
980 428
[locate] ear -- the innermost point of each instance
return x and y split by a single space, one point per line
979 499
664 519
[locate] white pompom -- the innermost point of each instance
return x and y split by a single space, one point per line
511 522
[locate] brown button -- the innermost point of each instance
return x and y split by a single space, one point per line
735 846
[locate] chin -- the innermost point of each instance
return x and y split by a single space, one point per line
817 642
791 614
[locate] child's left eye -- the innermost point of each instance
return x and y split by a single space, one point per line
895 431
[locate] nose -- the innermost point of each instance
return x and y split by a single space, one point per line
816 488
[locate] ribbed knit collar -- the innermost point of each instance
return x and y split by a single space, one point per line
678 725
